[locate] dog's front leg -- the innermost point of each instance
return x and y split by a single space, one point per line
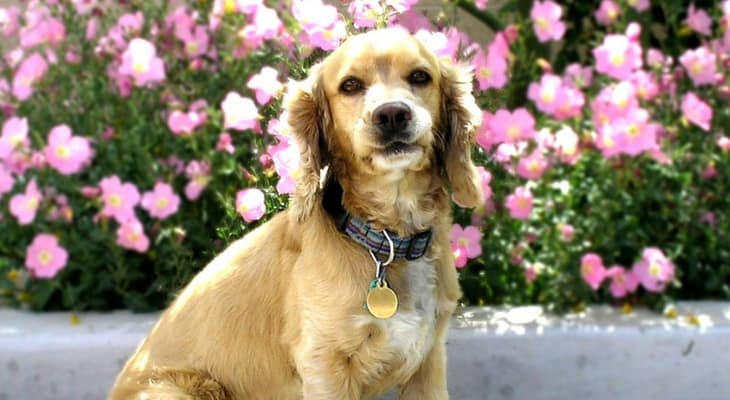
325 376
429 381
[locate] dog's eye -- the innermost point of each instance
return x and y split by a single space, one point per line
351 86
419 77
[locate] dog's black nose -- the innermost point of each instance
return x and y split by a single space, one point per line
392 118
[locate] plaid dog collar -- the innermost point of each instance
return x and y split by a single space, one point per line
378 242
409 248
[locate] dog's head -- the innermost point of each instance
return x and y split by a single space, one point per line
380 106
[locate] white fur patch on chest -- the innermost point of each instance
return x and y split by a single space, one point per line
410 331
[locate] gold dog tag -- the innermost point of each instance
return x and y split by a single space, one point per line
382 301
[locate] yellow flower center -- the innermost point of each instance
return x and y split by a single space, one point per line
329 34
523 202
485 72
655 269
161 203
586 269
191 47
608 141
63 152
533 166
115 200
31 204
229 6
140 67
617 59
696 67
633 130
45 257
547 95
15 140
543 23
133 236
513 132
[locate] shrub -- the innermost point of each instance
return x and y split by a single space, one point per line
140 139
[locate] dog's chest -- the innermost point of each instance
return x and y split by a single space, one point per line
410 332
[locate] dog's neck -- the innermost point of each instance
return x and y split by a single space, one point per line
405 206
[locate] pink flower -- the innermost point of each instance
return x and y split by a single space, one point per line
119 198
250 204
285 156
701 65
199 174
365 13
6 180
654 271
697 111
47 30
546 16
460 257
313 13
698 20
130 235
512 127
592 270
45 257
239 112
265 85
634 133
532 166
647 87
84 7
566 145
14 135
30 71
617 56
567 232
9 21
578 75
327 38
486 179
723 142
161 202
196 41
607 12
466 243
225 143
519 203
140 61
552 96
24 206
183 123
66 153
639 5
490 70
623 282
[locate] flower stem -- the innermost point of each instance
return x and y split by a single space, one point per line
486 17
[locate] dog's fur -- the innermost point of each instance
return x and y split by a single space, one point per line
279 314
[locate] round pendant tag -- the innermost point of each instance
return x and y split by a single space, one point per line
382 302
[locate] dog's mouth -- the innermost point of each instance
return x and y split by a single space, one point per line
399 148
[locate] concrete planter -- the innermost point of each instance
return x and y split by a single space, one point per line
494 353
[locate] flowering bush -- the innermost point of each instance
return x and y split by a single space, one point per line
139 138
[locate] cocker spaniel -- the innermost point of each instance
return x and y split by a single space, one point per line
348 293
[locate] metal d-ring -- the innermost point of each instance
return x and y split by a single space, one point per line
391 249
380 265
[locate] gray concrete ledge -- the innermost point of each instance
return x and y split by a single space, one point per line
494 353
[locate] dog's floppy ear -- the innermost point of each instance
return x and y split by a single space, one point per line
461 117
308 116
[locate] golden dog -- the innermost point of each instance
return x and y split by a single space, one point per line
280 314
